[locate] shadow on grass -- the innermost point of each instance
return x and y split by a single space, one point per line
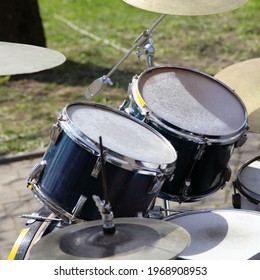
72 73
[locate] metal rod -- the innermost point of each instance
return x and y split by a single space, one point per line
140 40
98 85
104 179
39 218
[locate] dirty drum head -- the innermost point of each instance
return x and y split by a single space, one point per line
202 118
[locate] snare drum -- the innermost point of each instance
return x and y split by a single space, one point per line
138 159
247 186
222 234
200 116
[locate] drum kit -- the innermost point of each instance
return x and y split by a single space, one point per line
104 168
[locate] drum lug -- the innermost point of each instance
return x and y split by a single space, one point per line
78 207
171 177
55 133
36 172
200 152
62 117
186 188
157 184
241 141
97 168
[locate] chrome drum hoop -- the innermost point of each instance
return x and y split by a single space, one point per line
126 162
153 114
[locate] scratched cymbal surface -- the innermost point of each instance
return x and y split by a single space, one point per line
135 238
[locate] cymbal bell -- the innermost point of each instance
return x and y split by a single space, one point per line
187 7
135 238
23 59
244 79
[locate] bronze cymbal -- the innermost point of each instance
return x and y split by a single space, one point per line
23 59
244 79
187 7
135 238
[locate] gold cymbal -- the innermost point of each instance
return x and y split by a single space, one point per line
135 238
187 7
244 79
23 59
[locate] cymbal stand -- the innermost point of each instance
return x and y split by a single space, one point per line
104 206
144 39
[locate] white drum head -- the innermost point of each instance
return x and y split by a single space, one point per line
121 133
191 101
220 234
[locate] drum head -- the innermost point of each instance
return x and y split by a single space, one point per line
220 234
191 101
121 134
249 178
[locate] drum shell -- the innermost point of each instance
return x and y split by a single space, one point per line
202 159
213 163
67 176
245 186
208 174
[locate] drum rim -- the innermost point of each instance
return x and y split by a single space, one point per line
210 210
48 202
189 199
182 132
251 196
126 162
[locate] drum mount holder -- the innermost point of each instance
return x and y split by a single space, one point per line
145 40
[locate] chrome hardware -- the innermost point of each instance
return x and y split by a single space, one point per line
36 172
107 215
144 39
171 177
200 152
78 207
156 213
55 133
157 184
241 141
97 168
148 50
186 188
34 217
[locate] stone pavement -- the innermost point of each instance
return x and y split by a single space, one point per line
16 199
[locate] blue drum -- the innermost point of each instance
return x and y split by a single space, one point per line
137 158
202 118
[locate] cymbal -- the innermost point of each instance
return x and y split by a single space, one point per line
187 7
23 59
244 79
135 238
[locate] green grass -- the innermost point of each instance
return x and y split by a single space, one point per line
30 103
